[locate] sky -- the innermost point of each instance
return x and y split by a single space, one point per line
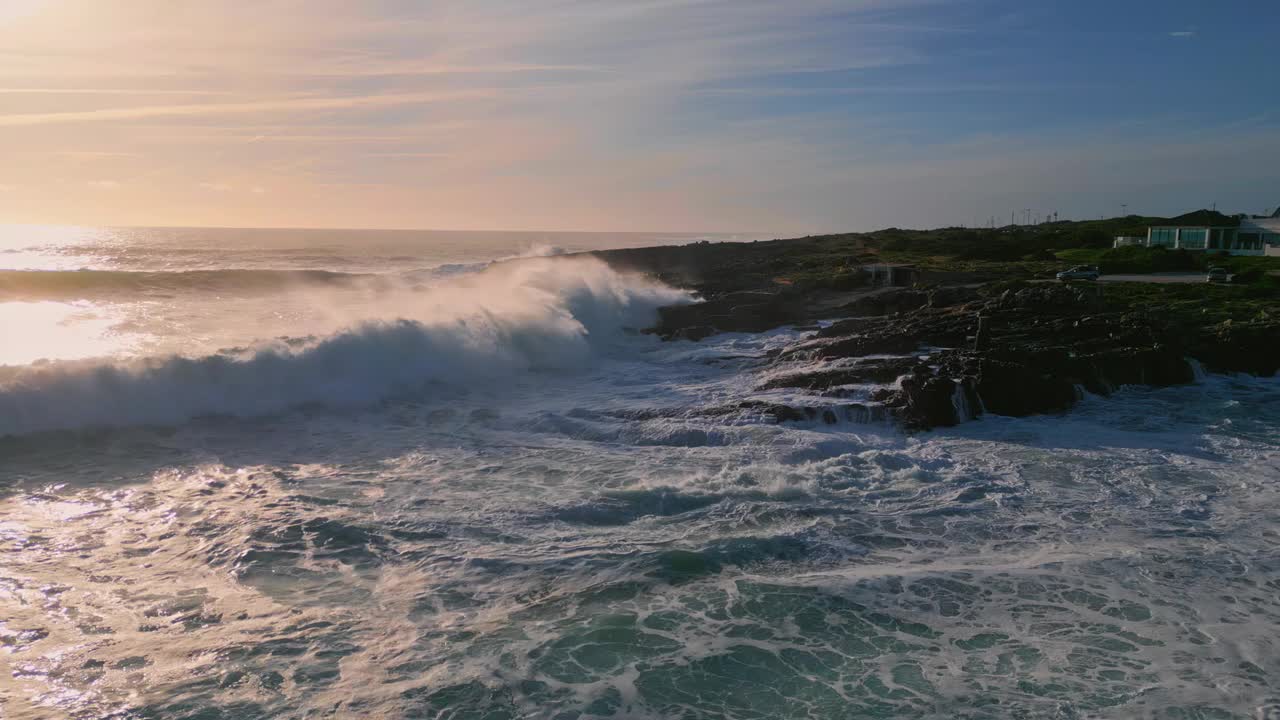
792 117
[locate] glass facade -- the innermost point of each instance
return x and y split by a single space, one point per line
1222 238
1210 238
1163 237
1192 238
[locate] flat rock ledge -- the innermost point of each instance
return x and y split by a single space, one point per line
954 354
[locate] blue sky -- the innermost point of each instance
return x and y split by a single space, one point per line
789 117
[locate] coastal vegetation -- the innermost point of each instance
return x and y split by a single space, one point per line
943 255
980 324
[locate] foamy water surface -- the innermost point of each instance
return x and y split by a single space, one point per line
476 491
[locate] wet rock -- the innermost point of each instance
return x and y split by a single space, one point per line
1014 389
1034 350
951 296
876 371
734 312
886 303
1249 347
693 333
870 344
782 413
930 401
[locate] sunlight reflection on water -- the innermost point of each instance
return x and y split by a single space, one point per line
48 247
47 330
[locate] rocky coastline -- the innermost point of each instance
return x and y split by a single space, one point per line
939 353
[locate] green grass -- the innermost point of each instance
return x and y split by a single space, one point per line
1143 260
1239 263
1081 256
1206 302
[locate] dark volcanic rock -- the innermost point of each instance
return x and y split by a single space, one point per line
1044 345
930 401
734 312
692 332
952 296
870 344
886 303
1250 347
1007 388
1017 348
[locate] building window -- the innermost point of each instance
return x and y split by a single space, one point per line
1192 238
1249 241
1163 237
1228 238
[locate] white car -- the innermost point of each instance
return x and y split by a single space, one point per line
1218 275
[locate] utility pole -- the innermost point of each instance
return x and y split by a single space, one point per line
1124 210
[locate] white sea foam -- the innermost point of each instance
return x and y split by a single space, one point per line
515 318
595 524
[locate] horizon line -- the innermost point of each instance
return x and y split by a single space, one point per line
113 226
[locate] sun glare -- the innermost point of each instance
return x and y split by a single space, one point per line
11 10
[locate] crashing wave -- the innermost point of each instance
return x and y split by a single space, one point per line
542 315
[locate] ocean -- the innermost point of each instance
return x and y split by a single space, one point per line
352 474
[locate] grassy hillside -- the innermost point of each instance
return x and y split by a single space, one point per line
945 255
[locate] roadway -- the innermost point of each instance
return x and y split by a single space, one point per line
1163 277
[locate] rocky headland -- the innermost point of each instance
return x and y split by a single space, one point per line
962 339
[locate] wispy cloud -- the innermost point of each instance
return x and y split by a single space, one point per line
691 114
93 154
107 91
409 155
238 108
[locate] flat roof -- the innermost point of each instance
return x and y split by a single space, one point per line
1270 225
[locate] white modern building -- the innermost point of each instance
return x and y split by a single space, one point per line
1129 240
1212 232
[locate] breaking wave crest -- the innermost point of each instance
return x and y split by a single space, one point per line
549 314
85 283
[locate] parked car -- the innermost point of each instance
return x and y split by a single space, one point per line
1079 272
1218 275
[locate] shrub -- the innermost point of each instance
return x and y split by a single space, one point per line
1140 260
